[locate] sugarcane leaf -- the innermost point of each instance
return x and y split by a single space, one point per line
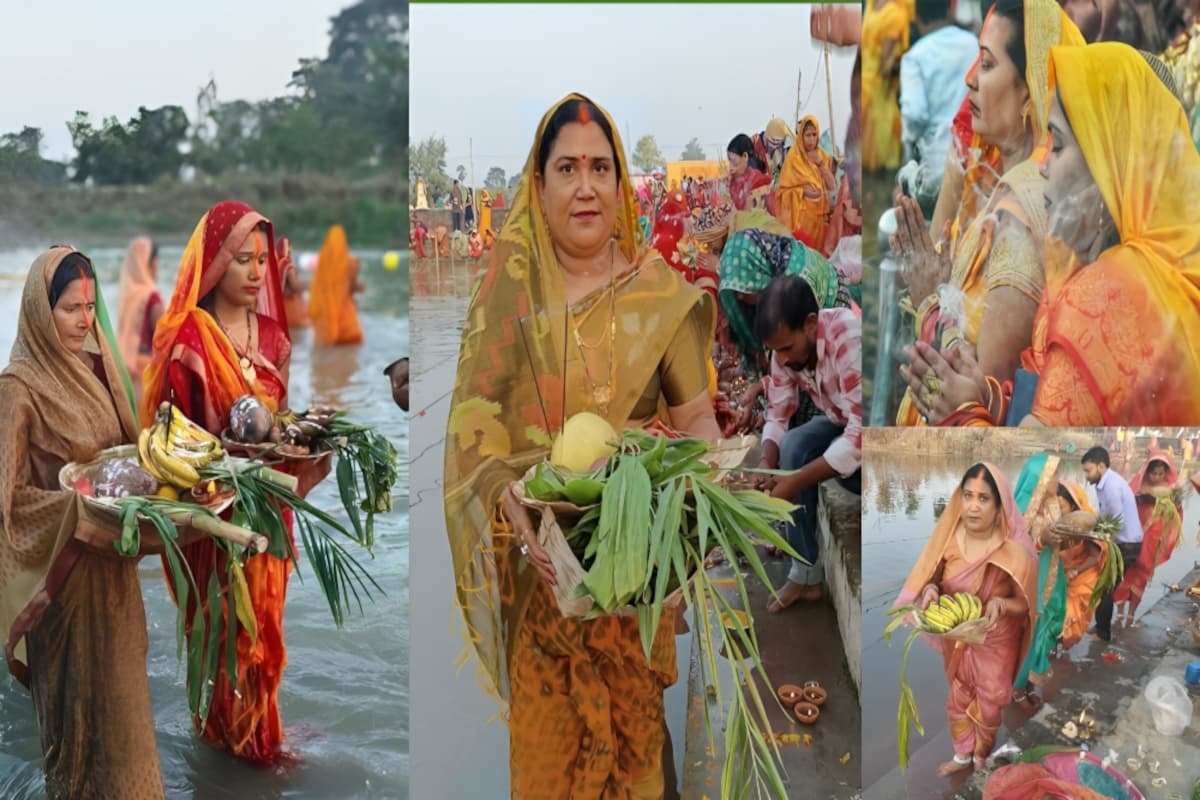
348 489
196 642
212 648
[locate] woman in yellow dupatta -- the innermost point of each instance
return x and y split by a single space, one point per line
1117 336
71 611
980 545
885 35
996 246
805 184
139 305
569 286
331 308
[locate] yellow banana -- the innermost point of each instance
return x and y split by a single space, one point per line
177 472
147 462
191 429
933 623
939 616
962 609
952 610
976 606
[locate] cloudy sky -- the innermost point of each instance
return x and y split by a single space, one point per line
58 56
482 76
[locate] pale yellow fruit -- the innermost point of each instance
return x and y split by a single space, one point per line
586 438
167 492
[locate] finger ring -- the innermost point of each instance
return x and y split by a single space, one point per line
524 549
926 398
933 383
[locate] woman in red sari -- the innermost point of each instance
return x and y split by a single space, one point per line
746 173
225 335
1162 525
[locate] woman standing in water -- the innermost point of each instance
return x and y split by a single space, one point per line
980 545
585 708
331 305
223 336
70 606
139 305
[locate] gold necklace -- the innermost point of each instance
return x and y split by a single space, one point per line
247 366
602 395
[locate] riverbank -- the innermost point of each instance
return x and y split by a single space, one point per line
374 210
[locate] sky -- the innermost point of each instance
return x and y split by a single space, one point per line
482 76
57 56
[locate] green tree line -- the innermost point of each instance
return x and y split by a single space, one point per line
346 114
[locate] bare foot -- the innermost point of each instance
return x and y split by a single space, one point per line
952 767
790 593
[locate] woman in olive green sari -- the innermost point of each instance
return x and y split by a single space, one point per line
572 315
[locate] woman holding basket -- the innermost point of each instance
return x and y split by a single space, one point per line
571 308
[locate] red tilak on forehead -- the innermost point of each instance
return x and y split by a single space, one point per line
88 295
584 117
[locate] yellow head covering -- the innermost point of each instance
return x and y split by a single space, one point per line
510 391
1130 322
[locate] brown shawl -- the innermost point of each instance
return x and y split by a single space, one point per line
56 411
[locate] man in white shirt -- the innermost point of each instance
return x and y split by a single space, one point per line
932 87
1116 498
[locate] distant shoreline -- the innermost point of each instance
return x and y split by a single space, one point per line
373 210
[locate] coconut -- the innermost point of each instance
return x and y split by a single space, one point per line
250 420
585 439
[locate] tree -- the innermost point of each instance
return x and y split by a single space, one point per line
139 152
21 159
495 179
693 151
461 172
427 159
514 182
646 155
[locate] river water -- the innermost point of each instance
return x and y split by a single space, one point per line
344 699
902 495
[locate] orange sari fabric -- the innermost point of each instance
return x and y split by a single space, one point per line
1118 341
195 364
136 295
1079 608
331 297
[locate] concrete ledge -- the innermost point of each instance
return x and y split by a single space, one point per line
839 519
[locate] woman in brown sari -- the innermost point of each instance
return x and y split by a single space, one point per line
571 288
71 607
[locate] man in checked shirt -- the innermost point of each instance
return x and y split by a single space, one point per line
817 351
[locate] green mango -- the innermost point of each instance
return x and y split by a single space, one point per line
583 491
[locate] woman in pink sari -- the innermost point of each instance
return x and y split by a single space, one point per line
980 545
1162 525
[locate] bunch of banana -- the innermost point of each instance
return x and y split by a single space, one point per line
174 448
950 611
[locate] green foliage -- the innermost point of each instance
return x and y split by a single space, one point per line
144 149
427 159
495 179
21 160
646 155
693 151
